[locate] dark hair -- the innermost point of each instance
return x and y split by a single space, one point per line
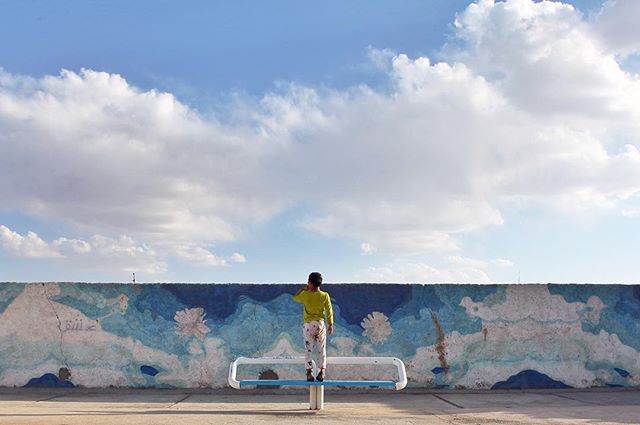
315 279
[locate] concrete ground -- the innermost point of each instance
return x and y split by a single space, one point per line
81 406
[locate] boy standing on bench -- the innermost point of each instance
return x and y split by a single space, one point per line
316 304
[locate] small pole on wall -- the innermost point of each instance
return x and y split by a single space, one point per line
134 278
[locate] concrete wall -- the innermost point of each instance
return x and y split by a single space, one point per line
455 336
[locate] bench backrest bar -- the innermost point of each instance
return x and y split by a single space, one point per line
400 384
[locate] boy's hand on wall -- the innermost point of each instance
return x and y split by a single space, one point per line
330 329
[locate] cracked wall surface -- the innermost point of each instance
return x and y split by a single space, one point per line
450 336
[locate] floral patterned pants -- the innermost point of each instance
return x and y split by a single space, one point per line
315 332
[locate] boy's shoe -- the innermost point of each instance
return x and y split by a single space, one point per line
320 376
309 376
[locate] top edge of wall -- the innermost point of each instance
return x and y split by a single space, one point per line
332 283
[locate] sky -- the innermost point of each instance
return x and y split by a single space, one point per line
408 141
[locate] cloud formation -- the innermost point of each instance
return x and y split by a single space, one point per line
91 149
27 246
97 253
530 110
456 270
616 24
531 107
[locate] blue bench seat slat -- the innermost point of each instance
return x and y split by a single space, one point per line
316 383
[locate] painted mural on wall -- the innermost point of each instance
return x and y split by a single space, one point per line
450 336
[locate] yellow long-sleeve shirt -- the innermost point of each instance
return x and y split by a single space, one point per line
316 304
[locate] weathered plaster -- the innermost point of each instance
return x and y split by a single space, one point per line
455 336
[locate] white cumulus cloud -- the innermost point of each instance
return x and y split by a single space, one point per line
618 26
456 270
98 253
92 150
27 246
201 256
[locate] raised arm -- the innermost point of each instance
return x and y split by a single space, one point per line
299 296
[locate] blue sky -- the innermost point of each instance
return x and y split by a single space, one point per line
256 142
203 50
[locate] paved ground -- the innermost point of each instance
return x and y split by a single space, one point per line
79 406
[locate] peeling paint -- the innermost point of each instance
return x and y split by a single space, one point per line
440 346
64 374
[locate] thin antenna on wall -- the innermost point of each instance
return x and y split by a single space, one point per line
134 278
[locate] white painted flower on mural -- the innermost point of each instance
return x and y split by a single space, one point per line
377 327
190 322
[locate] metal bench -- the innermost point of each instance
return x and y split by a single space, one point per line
316 389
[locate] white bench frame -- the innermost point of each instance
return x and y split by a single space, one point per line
316 389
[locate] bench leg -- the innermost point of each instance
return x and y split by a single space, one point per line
313 397
316 397
320 398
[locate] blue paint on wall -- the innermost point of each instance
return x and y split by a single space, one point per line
437 370
220 301
360 298
149 370
635 290
48 380
621 372
7 294
529 379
